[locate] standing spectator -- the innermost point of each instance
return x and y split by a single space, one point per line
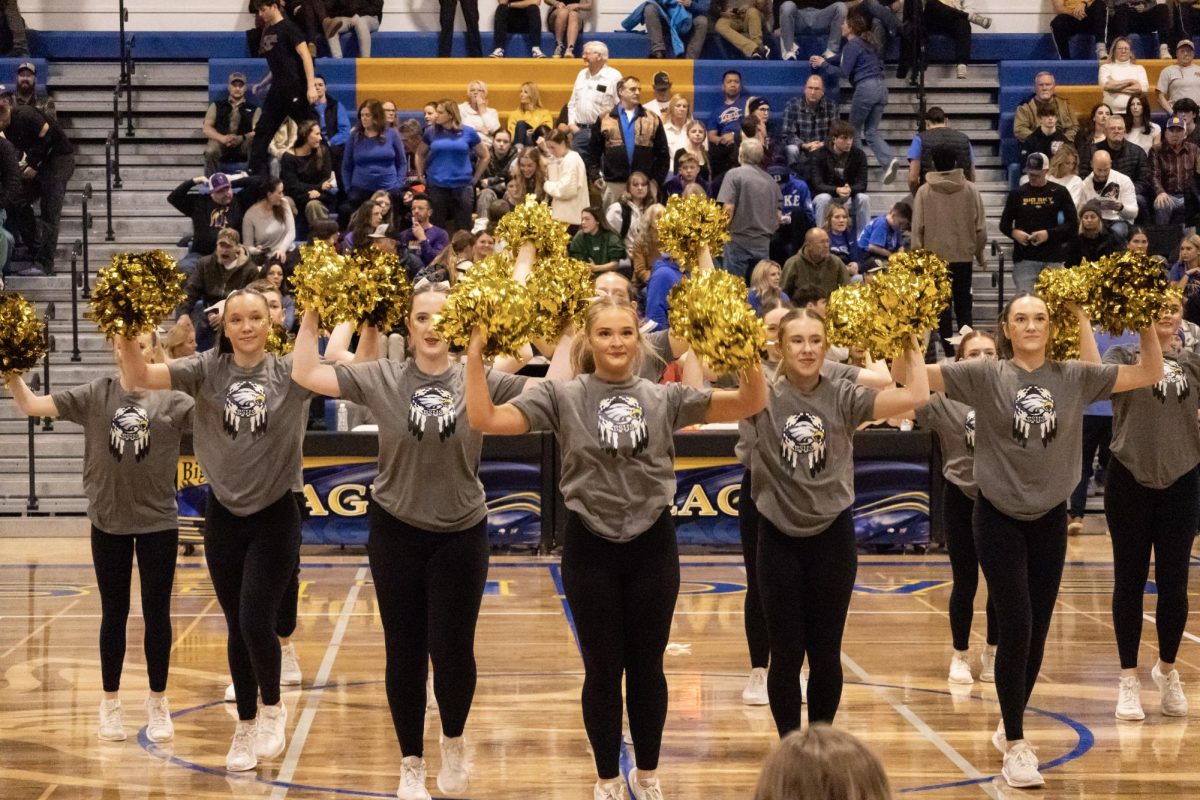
307 174
1146 16
1139 128
936 134
470 12
1181 79
752 200
810 16
222 271
1092 132
518 16
335 122
627 215
839 174
10 196
1121 76
667 28
361 16
949 19
814 266
12 31
27 93
885 234
1039 216
49 164
290 77
740 23
593 95
1043 91
948 219
725 123
1113 193
663 277
424 239
1072 17
596 243
1129 160
474 112
862 65
210 211
566 180
268 228
529 115
687 173
1047 137
629 140
374 159
1173 173
566 20
806 122
229 126
661 102
675 121
445 165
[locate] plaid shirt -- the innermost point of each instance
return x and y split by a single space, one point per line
803 123
1173 171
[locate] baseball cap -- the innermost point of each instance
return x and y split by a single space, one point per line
662 80
1186 43
27 65
1037 162
1176 122
218 181
237 76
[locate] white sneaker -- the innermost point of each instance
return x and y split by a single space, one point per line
112 726
289 666
455 773
755 693
240 757
412 779
792 53
960 72
609 791
650 790
1170 689
987 665
230 694
1129 700
1021 767
1000 739
960 670
981 20
889 174
1164 51
271 738
1101 52
803 689
159 727
536 52
498 52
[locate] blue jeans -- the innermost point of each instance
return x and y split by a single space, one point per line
884 22
1025 273
826 20
739 260
866 110
1162 216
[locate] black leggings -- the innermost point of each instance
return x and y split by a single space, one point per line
112 556
430 586
446 14
753 616
957 510
806 584
960 291
251 559
285 621
1023 564
941 18
622 598
1140 518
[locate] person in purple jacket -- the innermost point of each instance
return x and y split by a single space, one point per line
424 239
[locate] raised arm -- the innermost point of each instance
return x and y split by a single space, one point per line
875 375
307 369
1148 370
31 405
749 399
894 402
137 372
1088 351
484 415
337 349
933 375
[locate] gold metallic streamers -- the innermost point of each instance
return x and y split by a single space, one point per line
690 223
532 221
320 267
560 289
136 292
22 335
850 312
1128 292
1058 288
278 341
710 312
366 284
489 297
382 281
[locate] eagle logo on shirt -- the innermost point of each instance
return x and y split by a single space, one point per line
245 401
1173 375
130 426
803 435
431 402
1034 406
969 430
620 415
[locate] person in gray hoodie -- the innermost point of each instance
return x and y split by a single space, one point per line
948 219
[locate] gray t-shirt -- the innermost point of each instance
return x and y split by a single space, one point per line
803 458
249 426
130 453
756 201
423 431
1175 83
1155 434
658 356
618 446
830 370
1028 427
955 426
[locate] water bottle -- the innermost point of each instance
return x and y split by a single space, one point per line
343 416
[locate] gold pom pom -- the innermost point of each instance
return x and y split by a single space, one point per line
364 284
22 335
1058 288
383 286
532 221
690 223
136 292
709 311
560 289
1129 292
319 269
849 315
489 297
278 341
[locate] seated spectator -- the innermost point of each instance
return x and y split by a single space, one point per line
752 201
281 144
822 763
566 18
180 342
444 162
724 123
309 16
1144 17
1064 169
27 93
806 122
374 159
454 261
566 179
668 30
1113 194
936 134
795 217
366 218
675 121
696 145
740 23
1129 160
424 239
229 126
1173 167
474 112
1121 76
661 102
335 122
484 246
211 210
1048 137
494 181
1044 91
839 174
268 227
518 16
1092 132
1187 109
360 16
687 173
528 178
814 265
1040 217
410 135
529 115
1139 128
646 249
1093 241
273 274
843 242
821 17
1184 275
1073 17
625 215
215 275
446 15
389 115
764 286
13 32
617 157
949 19
1181 79
324 230
307 174
885 234
755 125
663 277
596 244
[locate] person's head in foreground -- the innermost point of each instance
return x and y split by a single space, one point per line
822 763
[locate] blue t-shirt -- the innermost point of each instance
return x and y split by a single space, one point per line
880 234
727 117
448 162
1103 408
664 276
845 247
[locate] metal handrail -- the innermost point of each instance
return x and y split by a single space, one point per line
51 315
76 249
109 234
116 136
998 276
87 227
127 66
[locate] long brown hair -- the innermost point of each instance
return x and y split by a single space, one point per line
536 184
378 119
320 154
860 26
822 763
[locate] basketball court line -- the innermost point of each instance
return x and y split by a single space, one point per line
41 628
1151 618
195 621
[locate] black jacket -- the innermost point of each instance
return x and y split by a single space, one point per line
830 170
207 217
650 154
1040 208
211 282
10 176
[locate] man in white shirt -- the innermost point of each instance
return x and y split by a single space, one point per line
1181 79
662 95
593 96
1114 192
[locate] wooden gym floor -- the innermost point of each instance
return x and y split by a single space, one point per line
526 730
